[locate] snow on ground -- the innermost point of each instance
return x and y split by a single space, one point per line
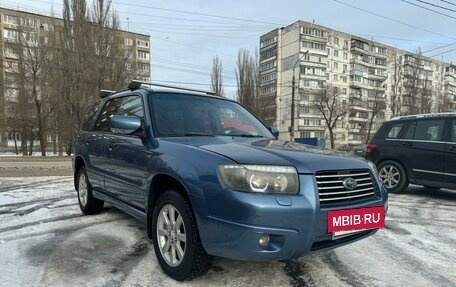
46 241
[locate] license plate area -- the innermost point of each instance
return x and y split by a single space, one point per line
347 222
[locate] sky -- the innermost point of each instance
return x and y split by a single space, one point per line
187 35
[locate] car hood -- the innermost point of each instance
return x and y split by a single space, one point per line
306 159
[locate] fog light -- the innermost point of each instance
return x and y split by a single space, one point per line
264 240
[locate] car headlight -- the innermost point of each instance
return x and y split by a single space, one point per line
373 168
260 178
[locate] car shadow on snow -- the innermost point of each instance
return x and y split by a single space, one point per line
420 191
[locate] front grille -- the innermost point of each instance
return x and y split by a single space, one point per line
332 190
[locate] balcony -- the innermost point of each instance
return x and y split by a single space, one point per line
357 119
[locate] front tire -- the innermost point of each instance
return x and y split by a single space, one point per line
176 240
393 175
87 203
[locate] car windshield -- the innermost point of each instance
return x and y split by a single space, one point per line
177 115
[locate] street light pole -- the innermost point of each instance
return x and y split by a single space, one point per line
293 82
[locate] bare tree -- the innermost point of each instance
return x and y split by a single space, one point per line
216 77
376 104
328 103
247 80
396 88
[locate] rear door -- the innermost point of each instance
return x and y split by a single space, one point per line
450 164
423 147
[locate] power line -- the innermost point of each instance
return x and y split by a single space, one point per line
441 47
435 5
437 12
394 20
448 2
196 13
454 49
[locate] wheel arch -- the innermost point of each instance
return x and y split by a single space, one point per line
380 161
159 184
78 163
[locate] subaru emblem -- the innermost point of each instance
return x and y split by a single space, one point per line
350 183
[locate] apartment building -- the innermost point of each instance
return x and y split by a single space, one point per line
38 29
374 82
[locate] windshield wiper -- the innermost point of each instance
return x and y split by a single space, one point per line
195 134
242 135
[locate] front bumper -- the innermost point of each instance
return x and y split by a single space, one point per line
295 223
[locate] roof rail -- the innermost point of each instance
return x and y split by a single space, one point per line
430 115
136 84
105 93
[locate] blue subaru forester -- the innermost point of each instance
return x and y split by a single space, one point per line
209 179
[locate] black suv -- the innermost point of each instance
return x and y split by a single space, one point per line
418 149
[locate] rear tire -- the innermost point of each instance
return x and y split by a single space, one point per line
393 175
87 203
176 240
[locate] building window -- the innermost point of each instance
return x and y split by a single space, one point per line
313 71
142 43
315 58
313 45
268 54
268 42
268 65
312 84
345 55
313 32
335 77
128 42
143 67
336 65
8 19
10 34
344 79
336 41
28 22
143 55
336 53
268 77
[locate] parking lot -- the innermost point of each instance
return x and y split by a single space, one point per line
45 241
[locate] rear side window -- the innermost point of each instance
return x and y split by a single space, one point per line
125 106
430 130
394 131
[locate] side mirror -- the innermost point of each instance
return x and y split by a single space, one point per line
274 131
125 125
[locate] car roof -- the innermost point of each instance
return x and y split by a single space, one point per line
424 116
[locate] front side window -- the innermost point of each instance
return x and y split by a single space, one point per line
124 106
177 115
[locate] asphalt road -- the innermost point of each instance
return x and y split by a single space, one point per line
35 166
46 241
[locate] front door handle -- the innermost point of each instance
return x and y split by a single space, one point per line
111 146
453 148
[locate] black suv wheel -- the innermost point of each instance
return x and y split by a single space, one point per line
393 175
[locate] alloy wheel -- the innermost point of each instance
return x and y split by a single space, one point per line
171 236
